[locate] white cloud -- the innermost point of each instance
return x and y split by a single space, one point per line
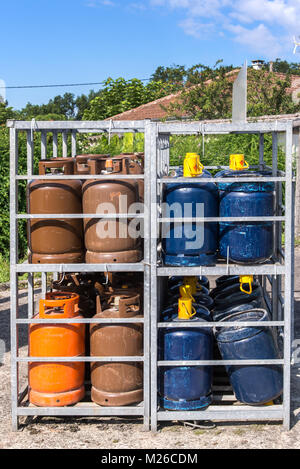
97 3
265 26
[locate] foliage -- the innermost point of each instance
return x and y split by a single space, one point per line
210 95
282 66
5 112
120 95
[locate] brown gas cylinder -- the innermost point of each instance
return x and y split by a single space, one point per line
109 241
117 384
81 163
62 383
136 166
55 240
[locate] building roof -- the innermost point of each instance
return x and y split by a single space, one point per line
156 110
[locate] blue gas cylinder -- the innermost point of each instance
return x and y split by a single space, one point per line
190 243
252 384
185 387
247 242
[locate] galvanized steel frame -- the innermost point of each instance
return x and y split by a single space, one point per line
72 127
281 264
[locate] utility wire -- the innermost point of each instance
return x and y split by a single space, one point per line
62 85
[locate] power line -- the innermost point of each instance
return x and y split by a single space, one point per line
65 85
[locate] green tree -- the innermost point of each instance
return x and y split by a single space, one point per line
209 95
120 95
5 112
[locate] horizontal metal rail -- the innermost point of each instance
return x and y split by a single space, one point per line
196 324
63 268
82 321
82 410
222 269
80 359
218 362
195 180
80 215
218 219
63 126
198 127
64 177
231 413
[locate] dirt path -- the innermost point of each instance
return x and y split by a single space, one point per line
46 432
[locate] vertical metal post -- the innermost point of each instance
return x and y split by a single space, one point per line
275 298
261 167
55 152
30 276
65 144
13 207
73 143
154 312
297 197
147 279
261 151
43 145
288 300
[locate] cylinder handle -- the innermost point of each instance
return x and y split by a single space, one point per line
246 280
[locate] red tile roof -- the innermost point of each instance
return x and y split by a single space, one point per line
154 110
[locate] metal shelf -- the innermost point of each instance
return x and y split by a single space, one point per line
73 128
278 268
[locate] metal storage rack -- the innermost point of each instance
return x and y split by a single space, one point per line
270 273
20 405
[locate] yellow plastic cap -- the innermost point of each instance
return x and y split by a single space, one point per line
246 280
192 166
185 308
237 162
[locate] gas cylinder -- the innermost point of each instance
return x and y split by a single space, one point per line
136 166
197 292
113 383
242 296
185 387
109 241
55 241
190 243
245 242
222 282
81 162
62 383
252 384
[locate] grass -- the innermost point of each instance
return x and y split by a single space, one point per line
5 271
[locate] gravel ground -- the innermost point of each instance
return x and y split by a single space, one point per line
84 432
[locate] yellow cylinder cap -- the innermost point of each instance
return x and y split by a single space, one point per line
192 166
193 282
237 162
186 309
246 280
186 291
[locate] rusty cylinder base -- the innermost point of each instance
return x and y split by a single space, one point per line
119 257
116 399
68 258
59 399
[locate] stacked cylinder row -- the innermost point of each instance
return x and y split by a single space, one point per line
77 296
68 240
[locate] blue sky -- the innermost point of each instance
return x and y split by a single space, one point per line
71 41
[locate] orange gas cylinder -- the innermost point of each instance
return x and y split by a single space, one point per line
62 383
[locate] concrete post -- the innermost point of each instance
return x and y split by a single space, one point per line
297 195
